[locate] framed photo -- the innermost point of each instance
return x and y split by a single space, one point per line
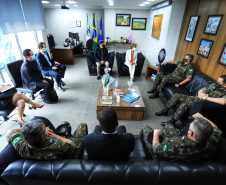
191 28
157 24
78 23
212 24
123 19
205 47
222 58
139 23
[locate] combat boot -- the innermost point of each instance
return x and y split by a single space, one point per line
163 112
172 121
155 95
154 89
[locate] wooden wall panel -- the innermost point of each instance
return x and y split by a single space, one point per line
203 8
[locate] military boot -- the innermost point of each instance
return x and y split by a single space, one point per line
163 112
172 121
155 95
154 88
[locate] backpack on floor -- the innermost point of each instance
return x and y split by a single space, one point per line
54 96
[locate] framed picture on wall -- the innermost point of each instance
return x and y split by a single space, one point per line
78 23
212 24
191 28
222 58
123 19
139 23
205 47
157 24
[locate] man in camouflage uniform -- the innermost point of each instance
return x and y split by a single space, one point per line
199 143
180 76
215 92
36 141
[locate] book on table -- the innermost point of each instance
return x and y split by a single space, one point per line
118 92
131 97
106 99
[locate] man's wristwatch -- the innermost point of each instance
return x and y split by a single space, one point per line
206 97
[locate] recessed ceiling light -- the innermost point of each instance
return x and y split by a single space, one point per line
57 5
141 4
70 2
75 5
111 4
110 1
146 2
45 1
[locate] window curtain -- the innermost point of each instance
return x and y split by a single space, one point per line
11 17
21 15
33 15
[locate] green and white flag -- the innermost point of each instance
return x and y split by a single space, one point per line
87 29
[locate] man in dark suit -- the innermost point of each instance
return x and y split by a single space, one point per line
32 77
50 67
101 57
108 141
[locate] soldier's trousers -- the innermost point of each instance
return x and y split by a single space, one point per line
78 138
168 132
186 103
161 80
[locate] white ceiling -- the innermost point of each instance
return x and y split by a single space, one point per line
100 4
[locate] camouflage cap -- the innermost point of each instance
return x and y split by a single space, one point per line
32 131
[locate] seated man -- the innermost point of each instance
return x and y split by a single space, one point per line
36 141
50 67
199 143
180 76
108 141
101 57
32 77
215 92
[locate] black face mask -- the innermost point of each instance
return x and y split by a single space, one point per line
103 46
185 60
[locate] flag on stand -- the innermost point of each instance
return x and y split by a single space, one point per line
87 29
94 34
101 34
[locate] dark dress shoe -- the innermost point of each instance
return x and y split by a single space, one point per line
172 121
61 89
62 83
98 77
155 95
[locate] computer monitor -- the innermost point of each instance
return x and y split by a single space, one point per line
76 36
71 35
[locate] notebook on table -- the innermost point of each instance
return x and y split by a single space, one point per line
5 87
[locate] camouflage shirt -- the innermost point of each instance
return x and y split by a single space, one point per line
215 90
183 71
49 150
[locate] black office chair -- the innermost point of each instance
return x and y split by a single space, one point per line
5 114
13 70
51 42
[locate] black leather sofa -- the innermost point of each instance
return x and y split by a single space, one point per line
92 67
138 169
123 69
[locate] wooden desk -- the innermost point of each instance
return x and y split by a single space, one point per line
125 110
65 55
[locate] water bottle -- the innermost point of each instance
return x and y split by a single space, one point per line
118 99
116 84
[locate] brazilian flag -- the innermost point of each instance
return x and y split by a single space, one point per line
94 34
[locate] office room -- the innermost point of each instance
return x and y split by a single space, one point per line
153 64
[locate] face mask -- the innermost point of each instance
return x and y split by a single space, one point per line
45 50
103 46
33 57
185 60
134 49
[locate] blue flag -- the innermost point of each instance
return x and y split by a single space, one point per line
101 34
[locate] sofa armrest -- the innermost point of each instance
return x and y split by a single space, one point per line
120 58
168 68
111 56
140 63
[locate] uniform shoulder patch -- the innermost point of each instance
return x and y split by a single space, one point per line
15 141
165 148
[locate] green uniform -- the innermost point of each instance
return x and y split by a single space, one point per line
178 75
213 90
180 148
51 148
